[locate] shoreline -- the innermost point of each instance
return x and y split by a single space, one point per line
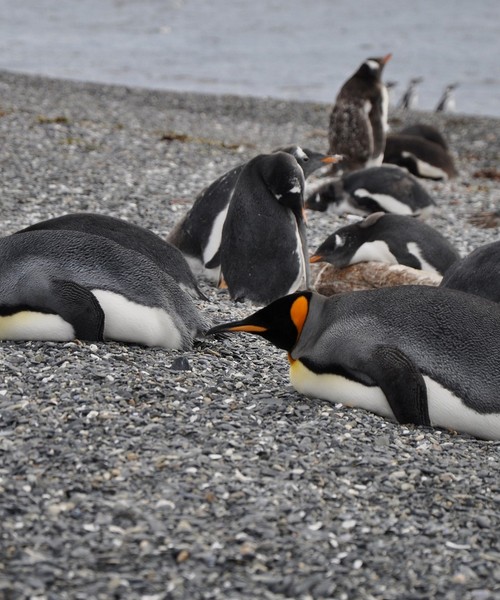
121 476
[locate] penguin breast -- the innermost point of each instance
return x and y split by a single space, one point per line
128 321
34 325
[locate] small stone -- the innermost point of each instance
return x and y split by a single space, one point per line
180 363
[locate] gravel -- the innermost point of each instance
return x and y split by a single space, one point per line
150 474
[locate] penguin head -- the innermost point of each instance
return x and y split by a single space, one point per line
339 248
281 322
309 160
372 67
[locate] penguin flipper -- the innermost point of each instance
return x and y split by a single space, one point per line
402 384
79 307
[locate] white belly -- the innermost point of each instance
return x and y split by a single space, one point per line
377 251
127 321
32 325
445 409
386 202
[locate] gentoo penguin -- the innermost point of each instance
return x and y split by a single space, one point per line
478 273
198 234
447 101
416 354
358 120
263 247
362 192
389 239
428 132
166 256
409 99
58 285
421 157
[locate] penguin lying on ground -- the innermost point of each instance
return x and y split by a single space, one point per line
478 273
358 120
198 234
61 285
362 192
416 354
428 132
263 247
420 156
389 239
134 237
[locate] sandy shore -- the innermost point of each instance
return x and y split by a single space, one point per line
124 477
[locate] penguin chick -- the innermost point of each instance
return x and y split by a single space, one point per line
362 192
478 273
414 354
167 257
358 120
391 239
58 285
198 234
420 156
263 248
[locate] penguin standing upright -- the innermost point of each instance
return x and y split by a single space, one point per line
58 285
409 99
358 120
415 354
198 234
165 255
263 247
447 101
391 239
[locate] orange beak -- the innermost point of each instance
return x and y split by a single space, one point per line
333 158
387 58
316 258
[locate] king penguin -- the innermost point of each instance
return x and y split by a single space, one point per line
61 285
414 354
386 188
358 120
477 273
131 236
391 239
264 248
198 233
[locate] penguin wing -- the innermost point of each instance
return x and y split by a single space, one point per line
79 307
402 383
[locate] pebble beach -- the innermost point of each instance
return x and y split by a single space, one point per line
147 474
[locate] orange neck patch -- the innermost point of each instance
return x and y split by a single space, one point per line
298 313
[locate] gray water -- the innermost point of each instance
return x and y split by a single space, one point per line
287 49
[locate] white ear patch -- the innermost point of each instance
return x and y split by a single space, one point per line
373 64
299 153
339 241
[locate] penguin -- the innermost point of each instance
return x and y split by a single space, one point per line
391 239
263 247
427 132
198 234
413 354
390 86
61 285
358 119
478 273
409 99
420 156
447 101
387 188
167 257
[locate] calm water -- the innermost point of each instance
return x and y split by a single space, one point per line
281 48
